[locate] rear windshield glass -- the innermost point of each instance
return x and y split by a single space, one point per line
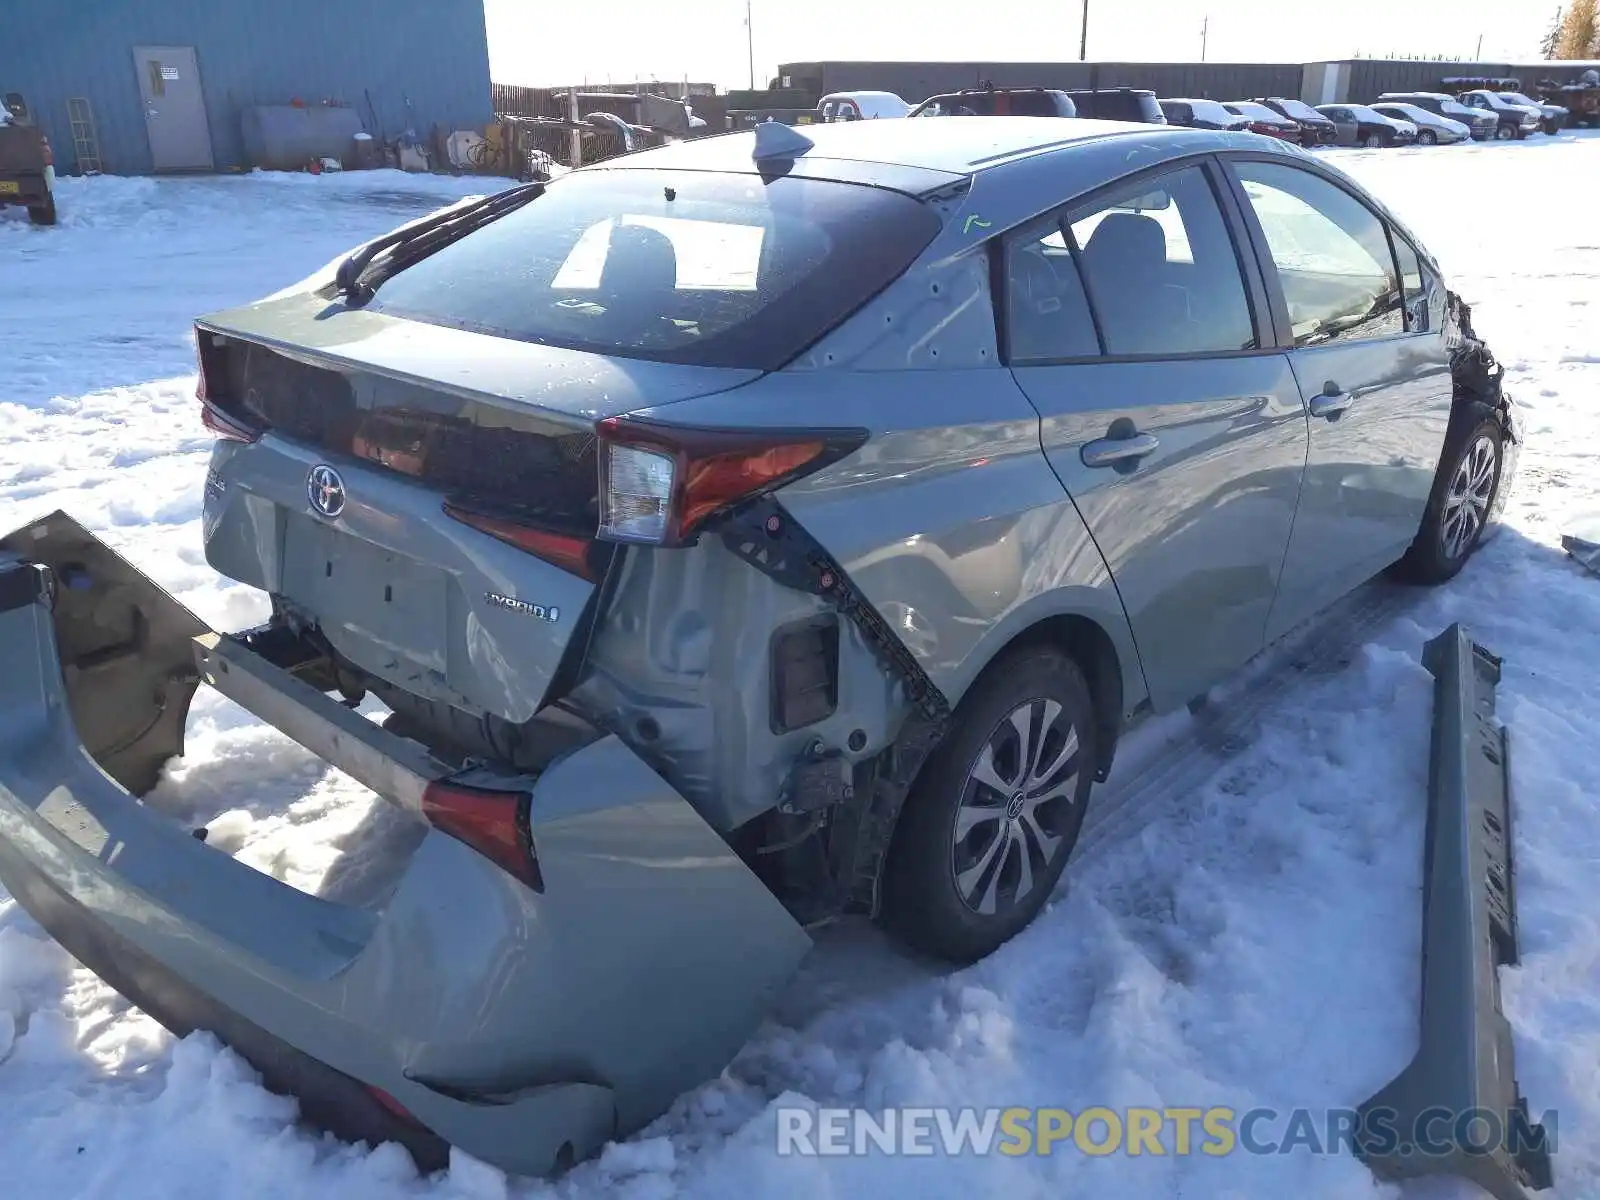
695 267
1300 111
1210 110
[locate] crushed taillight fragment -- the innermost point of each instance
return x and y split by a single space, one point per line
659 484
497 824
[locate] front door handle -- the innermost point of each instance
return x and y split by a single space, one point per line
1331 403
1109 452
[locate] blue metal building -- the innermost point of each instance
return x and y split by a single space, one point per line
167 81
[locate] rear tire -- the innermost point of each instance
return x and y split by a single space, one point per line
1463 496
43 214
992 819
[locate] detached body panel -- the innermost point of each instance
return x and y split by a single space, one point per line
525 1026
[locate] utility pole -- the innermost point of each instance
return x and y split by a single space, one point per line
750 43
1479 55
1083 39
1205 26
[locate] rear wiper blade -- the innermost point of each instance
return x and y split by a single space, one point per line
417 240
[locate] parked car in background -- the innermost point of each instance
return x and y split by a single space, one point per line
1358 125
1118 104
27 168
1512 120
998 102
1264 120
1580 99
860 106
1315 129
1201 114
1432 129
1482 122
740 585
1553 116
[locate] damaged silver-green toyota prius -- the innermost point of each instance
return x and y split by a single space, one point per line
738 535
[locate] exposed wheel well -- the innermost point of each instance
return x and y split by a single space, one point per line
1094 652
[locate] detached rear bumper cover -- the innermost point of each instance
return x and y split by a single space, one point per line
525 1028
1417 1124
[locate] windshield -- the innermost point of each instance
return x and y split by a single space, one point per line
1518 98
1451 108
1257 112
688 267
1364 113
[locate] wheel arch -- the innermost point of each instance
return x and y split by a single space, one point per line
1098 639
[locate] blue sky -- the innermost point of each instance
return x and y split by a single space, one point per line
543 42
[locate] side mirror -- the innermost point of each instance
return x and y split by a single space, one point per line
17 107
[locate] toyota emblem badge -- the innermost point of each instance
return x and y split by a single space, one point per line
325 490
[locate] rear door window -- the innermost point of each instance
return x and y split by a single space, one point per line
698 268
1161 269
1331 252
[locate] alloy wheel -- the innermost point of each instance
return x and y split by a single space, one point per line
1011 823
1466 503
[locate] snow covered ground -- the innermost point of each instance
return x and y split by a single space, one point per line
1253 943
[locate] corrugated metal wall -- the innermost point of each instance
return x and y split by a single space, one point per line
423 61
916 81
1370 78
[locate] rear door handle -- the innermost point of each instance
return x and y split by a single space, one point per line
1331 404
1108 452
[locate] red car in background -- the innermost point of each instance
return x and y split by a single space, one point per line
1263 120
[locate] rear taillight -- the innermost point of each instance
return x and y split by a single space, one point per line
579 555
497 824
49 155
659 484
212 416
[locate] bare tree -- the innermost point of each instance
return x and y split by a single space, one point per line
1552 40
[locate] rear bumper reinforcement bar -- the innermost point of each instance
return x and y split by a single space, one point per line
1456 1108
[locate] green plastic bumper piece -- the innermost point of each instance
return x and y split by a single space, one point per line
1456 1109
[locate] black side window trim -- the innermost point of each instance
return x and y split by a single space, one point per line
1258 298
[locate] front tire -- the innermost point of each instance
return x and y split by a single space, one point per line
1463 496
1427 137
1372 141
1504 133
995 813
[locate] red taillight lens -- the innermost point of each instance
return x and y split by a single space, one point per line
49 155
660 484
570 553
496 824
